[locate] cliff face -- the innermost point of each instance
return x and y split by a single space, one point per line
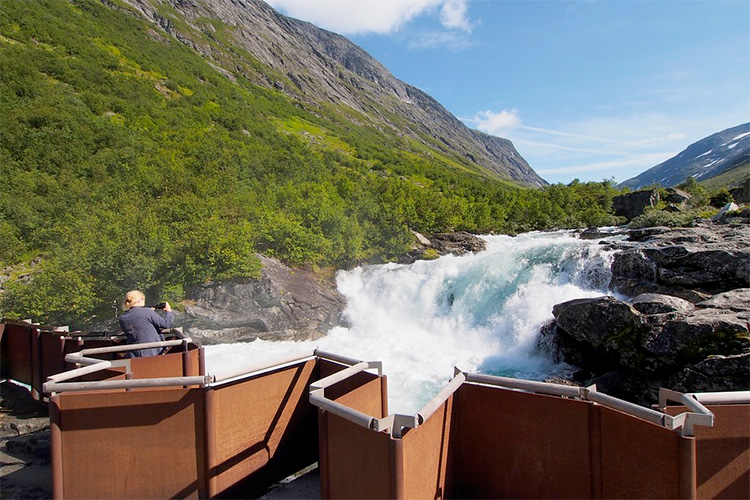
321 69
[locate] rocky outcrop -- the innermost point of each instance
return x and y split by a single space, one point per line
284 304
636 346
457 243
693 263
686 325
632 205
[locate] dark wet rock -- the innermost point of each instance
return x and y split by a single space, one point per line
633 204
655 303
715 373
688 323
692 263
592 233
603 322
690 337
458 243
284 304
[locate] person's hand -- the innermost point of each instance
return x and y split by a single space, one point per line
167 307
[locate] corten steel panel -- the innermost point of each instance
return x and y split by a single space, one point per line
426 450
52 356
638 459
326 368
518 445
366 398
17 352
723 453
162 366
129 445
3 351
264 429
359 461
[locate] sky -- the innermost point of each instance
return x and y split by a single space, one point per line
586 89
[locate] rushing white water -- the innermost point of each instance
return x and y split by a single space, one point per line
480 312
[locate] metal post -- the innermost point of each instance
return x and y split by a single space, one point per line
397 468
209 423
688 474
56 452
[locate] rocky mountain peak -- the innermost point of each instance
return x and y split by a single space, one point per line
702 160
317 67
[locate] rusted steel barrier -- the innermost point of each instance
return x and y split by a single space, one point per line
723 451
176 431
30 353
225 435
490 437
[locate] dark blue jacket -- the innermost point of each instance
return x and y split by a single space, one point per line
142 324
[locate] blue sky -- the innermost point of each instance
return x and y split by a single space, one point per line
588 89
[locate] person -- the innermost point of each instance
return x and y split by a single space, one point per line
143 324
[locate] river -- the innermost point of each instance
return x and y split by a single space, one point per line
480 312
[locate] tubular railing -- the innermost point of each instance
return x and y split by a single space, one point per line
684 422
61 382
87 365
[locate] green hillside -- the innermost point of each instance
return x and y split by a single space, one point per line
738 174
127 160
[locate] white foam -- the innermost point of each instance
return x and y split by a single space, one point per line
480 312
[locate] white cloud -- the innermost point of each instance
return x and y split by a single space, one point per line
495 123
349 17
451 40
594 147
454 15
608 166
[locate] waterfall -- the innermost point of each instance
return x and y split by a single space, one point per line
480 312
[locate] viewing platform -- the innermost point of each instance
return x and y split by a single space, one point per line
162 427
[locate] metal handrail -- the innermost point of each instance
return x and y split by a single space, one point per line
255 369
435 403
570 391
699 415
738 397
60 382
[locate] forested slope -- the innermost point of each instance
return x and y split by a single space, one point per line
128 160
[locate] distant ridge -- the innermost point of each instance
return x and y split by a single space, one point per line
707 158
323 69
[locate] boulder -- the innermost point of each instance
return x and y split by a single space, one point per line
729 207
284 304
693 337
656 303
691 262
457 243
741 194
676 196
713 374
737 300
602 322
633 204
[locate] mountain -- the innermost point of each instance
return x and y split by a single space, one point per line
322 69
165 145
707 158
